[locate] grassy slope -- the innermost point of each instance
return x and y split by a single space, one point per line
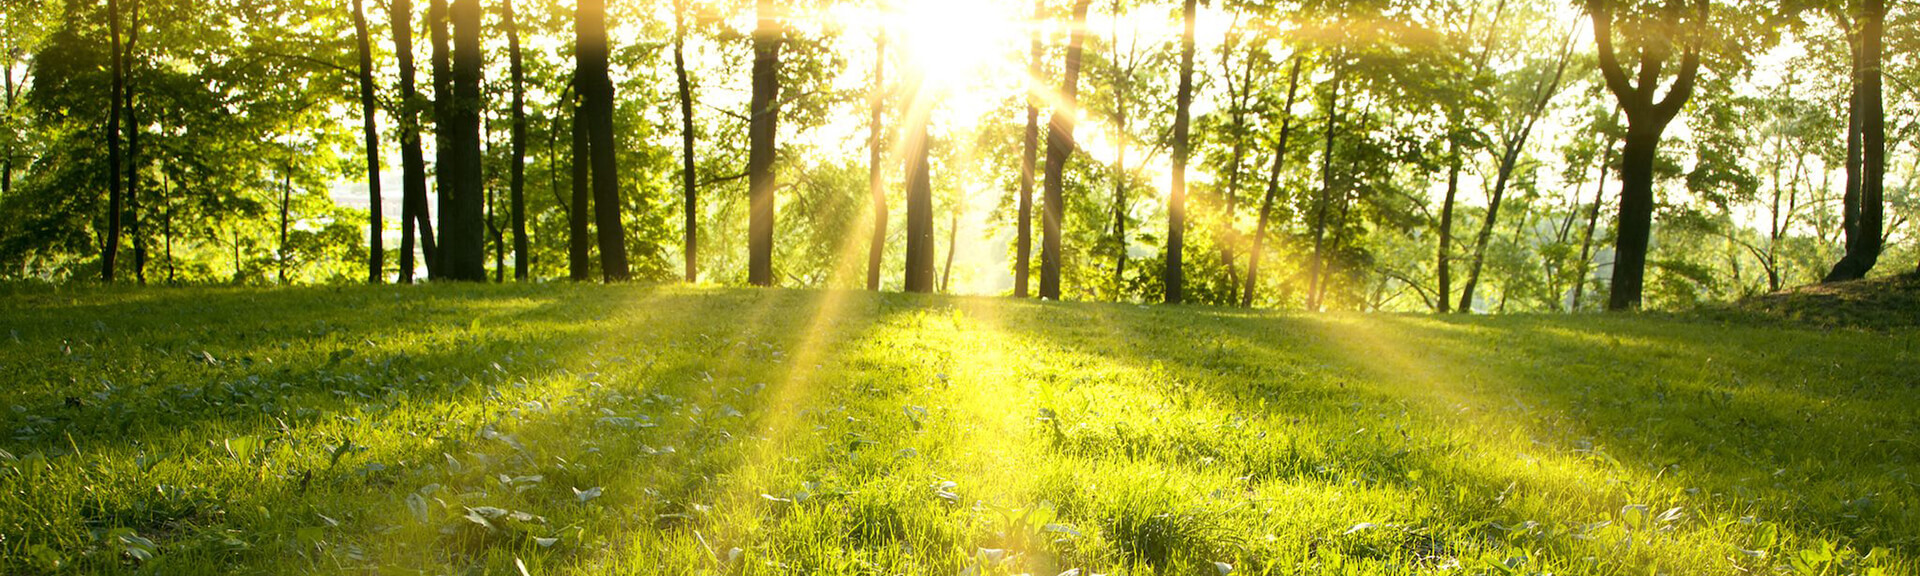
591 429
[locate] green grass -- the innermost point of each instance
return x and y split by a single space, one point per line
637 430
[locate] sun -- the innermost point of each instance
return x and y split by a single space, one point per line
955 43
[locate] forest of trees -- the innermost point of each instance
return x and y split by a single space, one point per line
1461 155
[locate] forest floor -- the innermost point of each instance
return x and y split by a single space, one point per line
557 429
1891 302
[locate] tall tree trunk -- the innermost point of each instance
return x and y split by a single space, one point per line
1443 270
876 186
1866 150
1060 146
689 189
1273 186
1029 155
463 226
579 216
1175 278
414 220
444 162
761 130
1120 178
596 89
1237 96
132 218
1593 221
1647 118
920 254
1509 160
518 183
1317 265
110 252
281 252
6 155
376 247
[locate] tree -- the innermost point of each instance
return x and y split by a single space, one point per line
132 217
1513 141
111 252
1647 119
1060 147
1273 184
1029 154
444 159
517 186
1866 164
596 92
689 189
876 187
1318 264
1176 204
413 180
763 123
920 253
371 130
463 225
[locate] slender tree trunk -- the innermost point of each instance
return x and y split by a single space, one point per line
414 220
920 254
517 167
1060 147
463 226
1273 186
166 221
111 251
1237 95
579 216
444 161
1120 178
1175 278
376 248
286 220
132 218
1023 250
1866 150
1593 222
688 187
953 244
1444 260
876 185
1317 265
596 88
6 156
761 130
1635 223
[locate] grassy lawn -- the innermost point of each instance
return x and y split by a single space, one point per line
637 430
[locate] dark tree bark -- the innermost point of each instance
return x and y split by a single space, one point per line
132 217
579 216
286 220
1060 147
597 89
376 244
1238 95
1646 120
517 163
1273 186
876 186
1443 301
462 225
1177 201
761 129
414 220
688 188
1029 155
110 252
1864 212
6 156
919 273
444 164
